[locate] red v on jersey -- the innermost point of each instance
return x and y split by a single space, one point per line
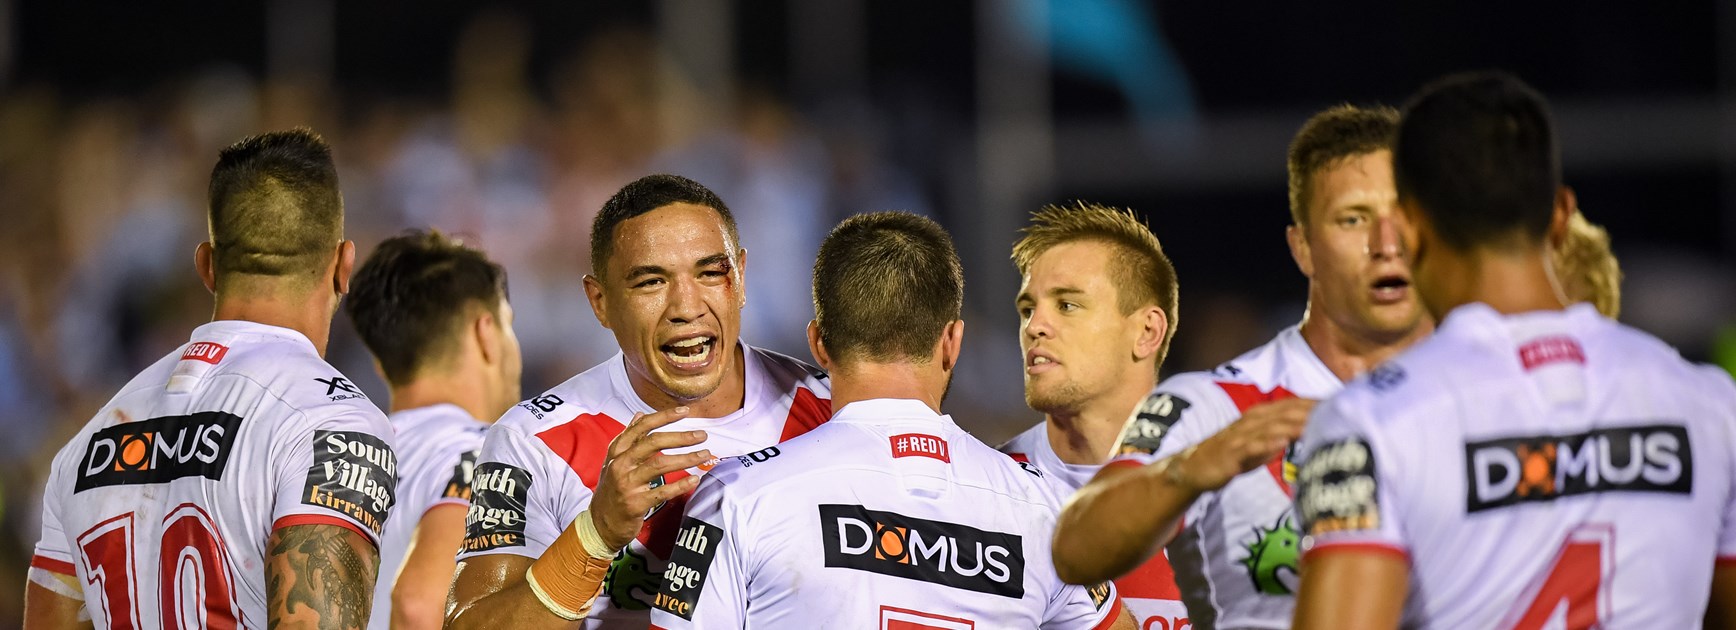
1246 396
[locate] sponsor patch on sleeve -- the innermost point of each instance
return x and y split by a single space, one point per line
1152 420
684 578
1338 489
1099 593
497 499
458 487
354 474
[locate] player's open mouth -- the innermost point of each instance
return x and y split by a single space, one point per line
689 352
1390 289
1039 362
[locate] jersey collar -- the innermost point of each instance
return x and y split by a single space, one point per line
886 411
235 328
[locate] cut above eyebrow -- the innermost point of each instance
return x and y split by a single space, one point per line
714 259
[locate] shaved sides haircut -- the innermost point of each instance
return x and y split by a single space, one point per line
1142 273
275 208
886 285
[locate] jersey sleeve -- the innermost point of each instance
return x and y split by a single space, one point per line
452 479
1181 412
53 557
337 468
705 584
1076 607
1722 394
1348 481
518 501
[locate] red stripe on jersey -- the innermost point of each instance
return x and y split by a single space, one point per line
321 519
1362 547
806 412
1246 396
1120 463
1726 561
583 443
1152 580
1115 614
56 566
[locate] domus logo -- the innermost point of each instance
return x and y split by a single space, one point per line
1652 458
943 553
159 450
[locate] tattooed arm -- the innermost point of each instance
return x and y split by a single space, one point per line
320 576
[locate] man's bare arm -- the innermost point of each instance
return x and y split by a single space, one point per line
319 576
1352 590
1721 609
492 591
47 610
1126 513
419 594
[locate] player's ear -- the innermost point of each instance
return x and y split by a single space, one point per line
598 298
1153 324
1297 236
740 273
1566 204
346 264
204 261
818 348
951 344
485 328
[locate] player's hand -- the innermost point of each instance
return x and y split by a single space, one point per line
636 458
1263 432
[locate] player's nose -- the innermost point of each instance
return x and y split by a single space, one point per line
1386 240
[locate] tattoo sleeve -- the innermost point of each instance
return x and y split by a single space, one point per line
320 576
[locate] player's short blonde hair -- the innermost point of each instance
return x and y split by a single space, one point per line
1587 268
1142 273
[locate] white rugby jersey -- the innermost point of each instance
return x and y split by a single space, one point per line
437 449
162 505
1150 590
888 517
1235 557
540 462
1547 469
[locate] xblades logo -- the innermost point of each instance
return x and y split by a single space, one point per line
337 384
949 554
159 450
1652 458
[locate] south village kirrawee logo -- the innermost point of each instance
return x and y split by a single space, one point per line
1272 556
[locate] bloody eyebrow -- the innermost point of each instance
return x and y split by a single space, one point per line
714 259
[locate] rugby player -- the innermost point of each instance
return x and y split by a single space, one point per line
1203 466
1532 464
240 481
1098 310
889 515
566 480
434 313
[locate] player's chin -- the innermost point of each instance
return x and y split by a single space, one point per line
689 386
1397 320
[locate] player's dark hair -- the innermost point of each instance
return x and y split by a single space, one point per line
275 209
1476 153
644 195
886 285
1343 131
412 297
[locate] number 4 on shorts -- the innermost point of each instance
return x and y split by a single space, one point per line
1571 594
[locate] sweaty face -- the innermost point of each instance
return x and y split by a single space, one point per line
673 296
1077 343
1358 252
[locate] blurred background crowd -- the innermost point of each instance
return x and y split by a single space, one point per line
510 123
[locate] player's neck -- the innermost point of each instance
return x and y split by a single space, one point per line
1086 436
728 398
869 381
1347 354
469 394
295 311
1509 282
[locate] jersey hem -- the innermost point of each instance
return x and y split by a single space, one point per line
1726 561
320 519
1115 612
56 566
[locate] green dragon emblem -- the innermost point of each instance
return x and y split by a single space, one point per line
1272 557
629 582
